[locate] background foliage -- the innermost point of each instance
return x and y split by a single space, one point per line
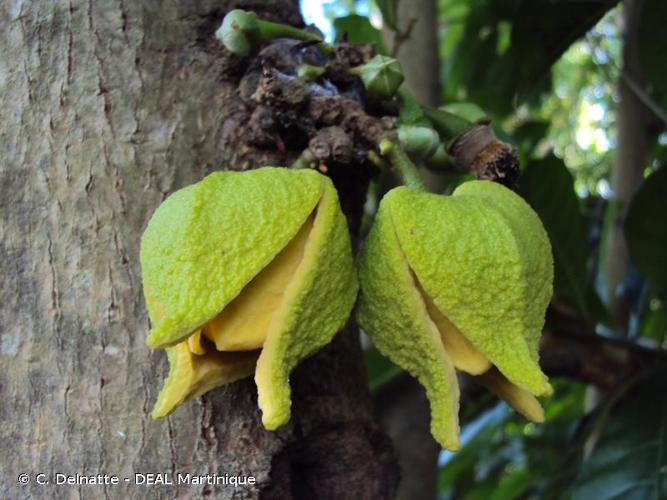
547 73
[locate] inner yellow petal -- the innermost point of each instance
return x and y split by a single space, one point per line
195 344
462 353
519 399
243 323
467 358
192 375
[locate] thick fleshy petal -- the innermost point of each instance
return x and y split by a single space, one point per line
191 375
316 304
208 240
475 266
286 308
393 313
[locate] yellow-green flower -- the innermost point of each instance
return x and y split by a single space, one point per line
459 282
246 272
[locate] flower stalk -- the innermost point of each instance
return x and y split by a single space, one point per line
400 161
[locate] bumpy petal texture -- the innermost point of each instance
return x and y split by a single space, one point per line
316 304
392 311
461 282
277 281
483 257
210 239
534 250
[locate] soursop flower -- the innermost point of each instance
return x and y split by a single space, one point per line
459 282
246 272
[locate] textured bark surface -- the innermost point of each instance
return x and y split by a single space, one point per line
106 108
419 58
418 54
631 154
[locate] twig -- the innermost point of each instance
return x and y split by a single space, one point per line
403 36
644 97
570 348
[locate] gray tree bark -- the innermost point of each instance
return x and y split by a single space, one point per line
419 52
629 163
106 108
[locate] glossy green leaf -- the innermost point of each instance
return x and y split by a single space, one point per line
652 41
379 370
549 188
543 29
629 459
506 74
358 29
646 230
389 11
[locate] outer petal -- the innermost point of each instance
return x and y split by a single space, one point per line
534 248
208 240
469 261
317 304
393 313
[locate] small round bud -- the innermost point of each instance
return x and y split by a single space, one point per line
239 31
418 141
381 76
440 161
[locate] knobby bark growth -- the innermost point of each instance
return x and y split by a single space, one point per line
106 108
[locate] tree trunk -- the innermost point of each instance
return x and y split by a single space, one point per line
106 108
418 53
629 164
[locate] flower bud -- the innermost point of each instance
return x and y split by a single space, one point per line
459 282
418 141
246 272
241 32
381 76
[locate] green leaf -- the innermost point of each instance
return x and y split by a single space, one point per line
654 323
529 133
358 29
500 77
629 460
646 229
503 456
389 11
652 41
548 187
379 370
542 30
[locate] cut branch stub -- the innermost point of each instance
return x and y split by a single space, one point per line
478 151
